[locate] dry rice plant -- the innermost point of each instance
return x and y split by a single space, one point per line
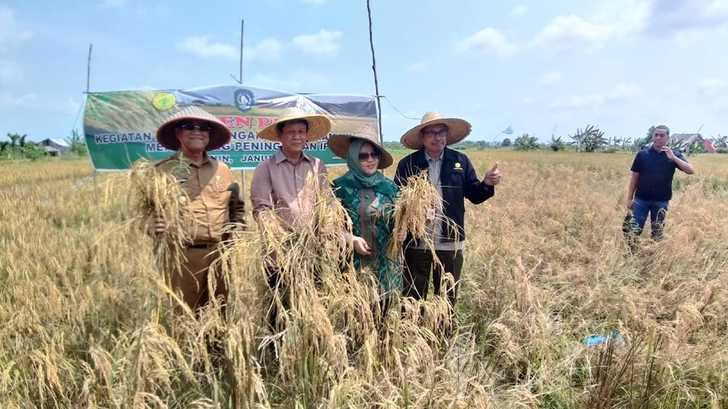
158 195
415 210
86 322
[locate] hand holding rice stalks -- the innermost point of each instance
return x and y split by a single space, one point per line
416 211
159 199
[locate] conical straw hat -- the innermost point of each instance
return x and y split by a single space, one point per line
319 126
219 135
339 143
458 129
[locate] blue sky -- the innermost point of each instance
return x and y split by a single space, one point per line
542 67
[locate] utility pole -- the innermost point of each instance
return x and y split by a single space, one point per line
376 81
239 79
242 35
88 69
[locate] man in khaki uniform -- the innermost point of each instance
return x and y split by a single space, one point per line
215 200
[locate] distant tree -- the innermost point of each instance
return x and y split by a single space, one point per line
557 144
590 139
640 143
32 151
506 143
18 148
77 144
13 139
626 142
526 142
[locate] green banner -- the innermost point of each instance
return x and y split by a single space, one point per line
120 126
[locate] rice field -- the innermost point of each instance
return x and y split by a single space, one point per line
88 322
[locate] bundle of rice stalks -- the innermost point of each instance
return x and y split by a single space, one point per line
418 208
158 196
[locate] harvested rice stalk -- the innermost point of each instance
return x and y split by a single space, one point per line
158 194
418 208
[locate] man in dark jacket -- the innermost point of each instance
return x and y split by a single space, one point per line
455 179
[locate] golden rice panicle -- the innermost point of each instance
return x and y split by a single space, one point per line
158 194
415 209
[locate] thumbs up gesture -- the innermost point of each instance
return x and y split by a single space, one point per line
493 176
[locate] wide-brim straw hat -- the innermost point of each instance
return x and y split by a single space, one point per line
219 134
319 126
339 143
458 129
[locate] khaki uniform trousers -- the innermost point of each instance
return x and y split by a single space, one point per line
191 281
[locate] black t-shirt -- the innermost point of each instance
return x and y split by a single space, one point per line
656 171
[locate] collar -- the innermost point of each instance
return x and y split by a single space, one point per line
439 157
280 157
205 159
420 157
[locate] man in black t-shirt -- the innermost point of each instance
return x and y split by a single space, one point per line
650 186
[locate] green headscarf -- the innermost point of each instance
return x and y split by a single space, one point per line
356 174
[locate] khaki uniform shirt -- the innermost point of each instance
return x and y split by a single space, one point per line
209 186
278 184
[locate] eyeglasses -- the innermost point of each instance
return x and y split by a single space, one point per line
189 126
441 132
368 155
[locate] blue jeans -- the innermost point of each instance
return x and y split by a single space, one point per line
657 210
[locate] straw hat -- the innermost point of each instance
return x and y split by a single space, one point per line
219 135
319 126
458 129
339 143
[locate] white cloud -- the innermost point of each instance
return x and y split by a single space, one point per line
33 102
675 17
686 14
551 77
10 30
266 50
323 43
519 10
8 100
488 40
418 67
571 31
203 47
620 93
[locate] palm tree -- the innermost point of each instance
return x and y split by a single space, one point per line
590 139
13 139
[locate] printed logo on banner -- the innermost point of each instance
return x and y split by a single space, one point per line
164 101
244 99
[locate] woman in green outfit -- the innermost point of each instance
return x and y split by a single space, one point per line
368 196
